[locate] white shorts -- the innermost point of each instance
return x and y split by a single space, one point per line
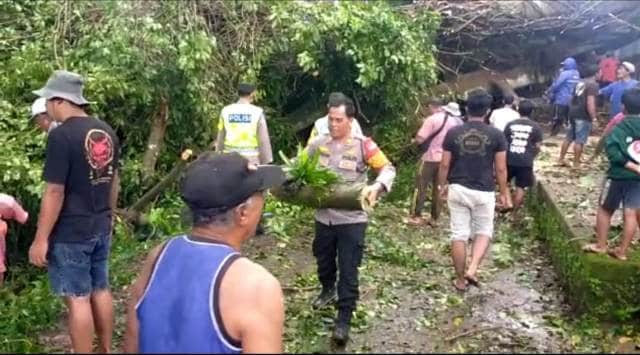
471 212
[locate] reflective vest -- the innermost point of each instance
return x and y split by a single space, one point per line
240 122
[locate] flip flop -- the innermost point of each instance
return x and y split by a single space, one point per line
472 281
455 285
614 254
592 248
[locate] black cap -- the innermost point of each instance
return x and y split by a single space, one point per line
217 183
245 89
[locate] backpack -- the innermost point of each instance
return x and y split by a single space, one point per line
578 103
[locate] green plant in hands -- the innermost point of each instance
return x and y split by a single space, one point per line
305 170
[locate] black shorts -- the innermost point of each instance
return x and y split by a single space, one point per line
522 174
620 192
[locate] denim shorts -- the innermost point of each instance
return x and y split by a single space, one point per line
579 131
616 192
78 269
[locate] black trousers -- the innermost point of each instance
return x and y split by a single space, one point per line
346 242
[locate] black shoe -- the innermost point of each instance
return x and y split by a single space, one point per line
341 333
326 297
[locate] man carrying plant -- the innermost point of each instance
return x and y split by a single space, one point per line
471 152
242 128
622 185
340 233
75 222
430 138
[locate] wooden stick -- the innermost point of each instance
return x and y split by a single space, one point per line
299 289
472 331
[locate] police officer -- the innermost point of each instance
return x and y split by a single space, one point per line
242 128
340 233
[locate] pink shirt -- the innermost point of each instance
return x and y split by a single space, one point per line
614 121
430 126
10 209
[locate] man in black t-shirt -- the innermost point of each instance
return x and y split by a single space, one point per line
471 153
582 113
75 223
523 137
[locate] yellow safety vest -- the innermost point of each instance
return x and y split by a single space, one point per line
240 122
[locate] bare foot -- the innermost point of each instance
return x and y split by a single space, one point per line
415 221
472 280
460 285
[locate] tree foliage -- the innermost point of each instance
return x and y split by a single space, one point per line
137 54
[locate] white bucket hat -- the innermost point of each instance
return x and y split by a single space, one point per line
39 106
452 108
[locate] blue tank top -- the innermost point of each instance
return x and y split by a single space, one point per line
179 312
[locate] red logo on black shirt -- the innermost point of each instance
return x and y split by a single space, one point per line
98 147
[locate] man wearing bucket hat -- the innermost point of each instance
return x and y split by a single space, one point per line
75 220
615 90
196 293
430 138
40 117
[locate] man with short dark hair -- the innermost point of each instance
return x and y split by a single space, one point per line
196 292
321 125
471 153
501 117
622 185
242 128
524 137
582 113
75 222
340 233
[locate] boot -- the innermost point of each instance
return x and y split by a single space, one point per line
341 329
326 297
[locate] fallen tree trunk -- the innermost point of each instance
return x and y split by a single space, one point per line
156 139
134 214
341 196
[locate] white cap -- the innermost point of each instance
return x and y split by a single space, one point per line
630 67
39 106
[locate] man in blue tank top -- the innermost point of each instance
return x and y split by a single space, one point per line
196 293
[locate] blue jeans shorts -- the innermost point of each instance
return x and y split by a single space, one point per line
579 131
620 192
78 269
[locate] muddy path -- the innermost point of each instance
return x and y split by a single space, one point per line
407 302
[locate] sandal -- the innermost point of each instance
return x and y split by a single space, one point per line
593 248
615 253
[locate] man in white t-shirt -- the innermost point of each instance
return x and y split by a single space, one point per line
40 117
501 117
